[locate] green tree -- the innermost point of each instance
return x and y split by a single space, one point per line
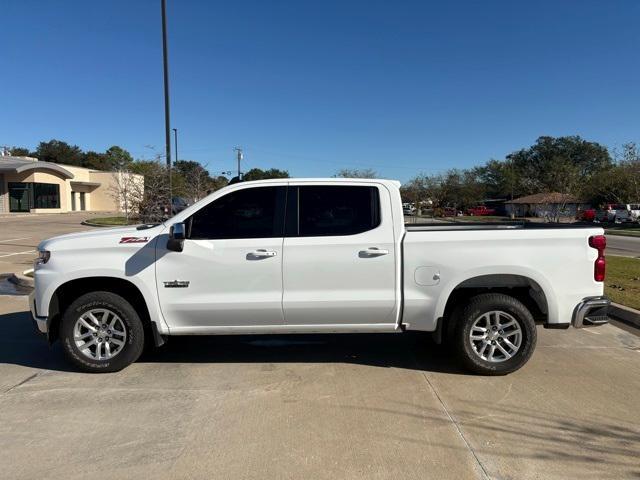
621 182
461 189
558 164
94 160
20 152
116 156
259 174
57 151
356 173
498 179
191 180
217 183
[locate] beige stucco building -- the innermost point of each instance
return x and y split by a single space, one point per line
29 185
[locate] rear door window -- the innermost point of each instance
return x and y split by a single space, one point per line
337 210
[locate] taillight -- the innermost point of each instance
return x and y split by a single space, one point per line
599 242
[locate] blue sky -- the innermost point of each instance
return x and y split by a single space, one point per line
401 87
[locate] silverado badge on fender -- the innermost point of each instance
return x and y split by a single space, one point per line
176 284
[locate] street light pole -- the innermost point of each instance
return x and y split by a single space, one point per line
167 118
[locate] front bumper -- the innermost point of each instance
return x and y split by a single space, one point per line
591 311
42 323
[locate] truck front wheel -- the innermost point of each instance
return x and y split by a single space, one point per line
495 334
101 332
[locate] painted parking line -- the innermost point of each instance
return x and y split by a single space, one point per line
14 239
18 253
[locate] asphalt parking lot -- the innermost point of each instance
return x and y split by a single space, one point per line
335 406
21 234
623 246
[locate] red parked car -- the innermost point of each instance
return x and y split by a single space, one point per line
588 215
480 211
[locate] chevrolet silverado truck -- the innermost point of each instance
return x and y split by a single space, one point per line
316 256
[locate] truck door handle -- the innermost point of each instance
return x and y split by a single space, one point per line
261 253
373 252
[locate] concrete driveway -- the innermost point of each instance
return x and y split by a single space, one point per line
319 407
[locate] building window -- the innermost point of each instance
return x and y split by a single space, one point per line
46 195
24 196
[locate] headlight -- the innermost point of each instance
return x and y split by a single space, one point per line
43 257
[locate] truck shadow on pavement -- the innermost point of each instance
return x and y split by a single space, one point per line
22 345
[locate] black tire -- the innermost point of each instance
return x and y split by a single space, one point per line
480 305
134 342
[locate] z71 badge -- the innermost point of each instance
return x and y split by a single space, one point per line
134 239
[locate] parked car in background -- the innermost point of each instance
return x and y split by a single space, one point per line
588 215
408 208
603 215
481 210
622 214
451 212
317 256
626 212
178 204
618 213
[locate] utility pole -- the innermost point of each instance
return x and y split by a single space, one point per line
239 156
513 179
175 145
167 117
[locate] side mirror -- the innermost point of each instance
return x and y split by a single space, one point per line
176 237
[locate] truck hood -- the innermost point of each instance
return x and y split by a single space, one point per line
104 237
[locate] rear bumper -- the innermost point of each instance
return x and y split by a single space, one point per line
591 311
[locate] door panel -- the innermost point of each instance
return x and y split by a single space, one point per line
340 279
228 285
230 270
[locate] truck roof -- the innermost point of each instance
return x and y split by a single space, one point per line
383 181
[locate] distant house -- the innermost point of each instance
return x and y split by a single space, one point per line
551 205
29 185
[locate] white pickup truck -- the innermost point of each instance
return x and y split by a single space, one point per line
314 256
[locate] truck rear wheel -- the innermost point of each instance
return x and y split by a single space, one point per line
101 332
495 334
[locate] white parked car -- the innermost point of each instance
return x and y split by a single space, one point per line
621 213
314 256
634 212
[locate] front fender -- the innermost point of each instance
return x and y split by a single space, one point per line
47 282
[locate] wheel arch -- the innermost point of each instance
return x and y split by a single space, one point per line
522 287
68 291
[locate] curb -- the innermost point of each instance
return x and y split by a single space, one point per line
91 224
21 280
627 315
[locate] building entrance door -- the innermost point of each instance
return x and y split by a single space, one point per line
19 197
